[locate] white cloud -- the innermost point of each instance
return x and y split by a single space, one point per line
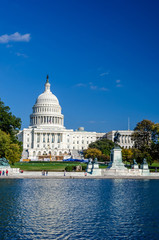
21 55
102 121
9 46
104 89
93 87
15 37
118 81
91 121
103 74
80 85
118 85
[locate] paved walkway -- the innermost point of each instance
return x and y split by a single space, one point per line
72 175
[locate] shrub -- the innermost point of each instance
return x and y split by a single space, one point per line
69 168
84 168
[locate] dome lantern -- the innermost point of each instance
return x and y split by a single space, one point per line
47 84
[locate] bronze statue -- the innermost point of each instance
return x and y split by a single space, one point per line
117 137
4 162
47 78
144 161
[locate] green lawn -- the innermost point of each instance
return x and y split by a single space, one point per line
49 166
155 164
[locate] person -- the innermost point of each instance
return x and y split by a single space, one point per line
0 172
64 173
3 173
85 173
6 172
46 173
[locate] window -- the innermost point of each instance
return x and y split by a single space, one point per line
43 137
59 138
48 140
52 140
38 137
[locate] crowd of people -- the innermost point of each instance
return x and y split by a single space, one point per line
44 173
4 172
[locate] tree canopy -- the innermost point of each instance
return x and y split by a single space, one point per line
104 145
10 147
9 123
146 140
100 149
143 133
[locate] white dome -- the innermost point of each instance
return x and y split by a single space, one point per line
47 110
47 97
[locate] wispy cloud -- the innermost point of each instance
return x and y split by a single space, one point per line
103 74
80 85
93 87
9 45
104 89
21 54
103 121
15 37
118 83
92 122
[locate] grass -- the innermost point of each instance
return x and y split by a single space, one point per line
49 166
155 164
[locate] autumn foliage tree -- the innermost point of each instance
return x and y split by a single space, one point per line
92 153
10 147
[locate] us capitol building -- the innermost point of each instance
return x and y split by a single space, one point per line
47 137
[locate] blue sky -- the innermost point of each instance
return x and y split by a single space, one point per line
102 58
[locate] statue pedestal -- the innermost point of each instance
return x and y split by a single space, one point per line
89 167
145 169
116 160
96 171
135 166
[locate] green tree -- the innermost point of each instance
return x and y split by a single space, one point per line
8 149
92 153
8 122
13 153
127 155
4 143
104 145
143 133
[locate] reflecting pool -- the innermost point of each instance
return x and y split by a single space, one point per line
79 209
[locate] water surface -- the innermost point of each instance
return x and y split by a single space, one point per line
79 209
